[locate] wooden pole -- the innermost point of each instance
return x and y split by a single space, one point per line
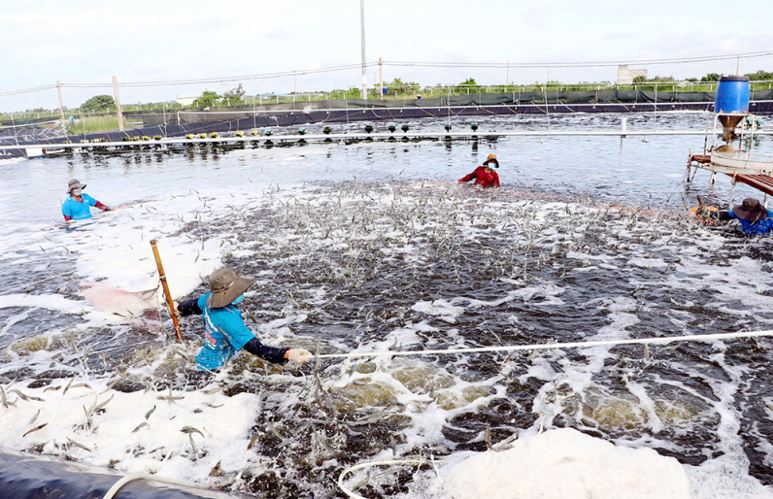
167 294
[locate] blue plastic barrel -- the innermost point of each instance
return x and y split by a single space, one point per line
732 95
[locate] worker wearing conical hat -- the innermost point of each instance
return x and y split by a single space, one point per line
225 332
78 204
484 175
754 218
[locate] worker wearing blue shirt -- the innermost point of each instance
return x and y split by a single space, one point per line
78 205
754 218
224 330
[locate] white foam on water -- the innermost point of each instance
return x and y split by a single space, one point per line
565 463
46 301
114 249
117 435
725 476
439 308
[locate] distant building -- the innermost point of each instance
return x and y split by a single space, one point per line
185 101
625 75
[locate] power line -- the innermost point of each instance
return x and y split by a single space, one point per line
427 64
224 79
576 64
27 90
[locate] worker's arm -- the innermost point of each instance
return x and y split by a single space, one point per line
496 180
271 354
189 307
468 177
93 202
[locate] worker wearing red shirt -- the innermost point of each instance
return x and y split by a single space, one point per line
484 175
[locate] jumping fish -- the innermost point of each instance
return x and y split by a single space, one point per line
26 398
191 429
68 386
170 398
253 440
140 426
32 430
35 417
79 445
4 399
147 414
98 407
213 406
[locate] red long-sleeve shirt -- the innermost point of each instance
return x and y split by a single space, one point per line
484 177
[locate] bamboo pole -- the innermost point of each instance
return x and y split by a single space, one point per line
167 294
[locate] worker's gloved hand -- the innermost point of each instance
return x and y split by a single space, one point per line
723 215
299 355
107 208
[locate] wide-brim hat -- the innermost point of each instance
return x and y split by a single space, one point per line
491 158
74 184
226 286
750 210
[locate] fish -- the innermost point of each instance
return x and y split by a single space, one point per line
193 445
35 417
88 416
4 398
68 386
79 445
191 429
147 414
213 406
253 440
103 404
36 428
52 388
170 398
140 426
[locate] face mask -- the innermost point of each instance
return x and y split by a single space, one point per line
76 192
238 300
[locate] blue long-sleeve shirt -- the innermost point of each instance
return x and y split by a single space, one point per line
755 228
225 333
78 210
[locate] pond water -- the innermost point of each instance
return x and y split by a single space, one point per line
370 246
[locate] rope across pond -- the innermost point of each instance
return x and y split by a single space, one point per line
556 346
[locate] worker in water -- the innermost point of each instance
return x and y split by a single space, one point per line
484 175
224 330
754 218
78 204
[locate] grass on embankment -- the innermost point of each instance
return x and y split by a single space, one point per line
93 124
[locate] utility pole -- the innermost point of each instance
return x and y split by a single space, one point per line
61 102
381 78
117 98
362 44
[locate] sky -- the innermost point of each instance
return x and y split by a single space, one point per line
87 41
